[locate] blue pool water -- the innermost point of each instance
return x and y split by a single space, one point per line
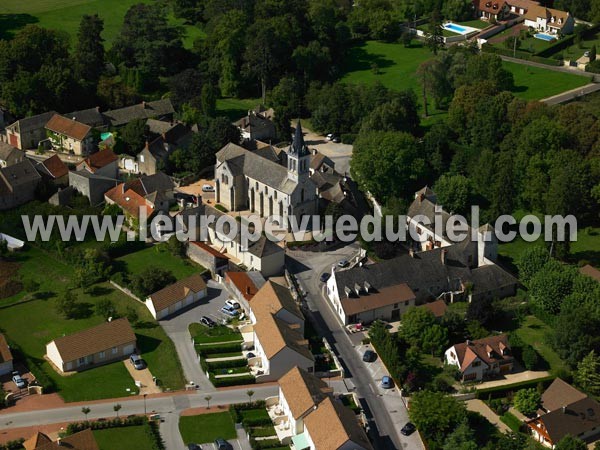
104 136
544 37
455 28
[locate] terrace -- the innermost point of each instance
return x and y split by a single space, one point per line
283 427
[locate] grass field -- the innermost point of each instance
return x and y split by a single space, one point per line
235 108
534 332
206 428
33 322
158 255
126 438
205 335
511 421
66 15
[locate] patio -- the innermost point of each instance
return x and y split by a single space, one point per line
283 427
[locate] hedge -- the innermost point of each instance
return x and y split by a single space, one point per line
266 444
235 409
228 364
233 381
75 427
224 348
488 48
502 391
559 45
259 422
348 138
13 445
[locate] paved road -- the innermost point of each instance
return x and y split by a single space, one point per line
307 266
177 329
573 94
340 154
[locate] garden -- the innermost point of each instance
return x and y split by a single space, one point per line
256 421
205 428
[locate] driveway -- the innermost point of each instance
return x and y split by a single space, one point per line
511 378
483 409
340 154
177 328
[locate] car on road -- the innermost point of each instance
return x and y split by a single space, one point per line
18 380
137 361
194 447
343 263
205 320
408 429
324 277
229 311
369 356
232 303
208 188
222 444
387 382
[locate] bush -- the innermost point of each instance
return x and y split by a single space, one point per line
348 138
16 444
75 427
226 364
531 358
233 381
264 443
258 422
223 348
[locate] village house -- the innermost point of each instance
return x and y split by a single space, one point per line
68 135
482 358
200 252
160 109
54 170
177 296
82 440
167 137
91 185
18 184
27 133
257 125
10 155
6 358
102 163
549 20
102 344
491 9
91 116
565 411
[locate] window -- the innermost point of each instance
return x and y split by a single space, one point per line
141 158
81 361
395 305
102 355
114 350
476 363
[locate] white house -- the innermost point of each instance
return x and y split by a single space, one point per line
6 358
482 358
548 20
177 296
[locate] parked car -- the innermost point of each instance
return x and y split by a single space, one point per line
369 356
586 54
222 444
329 136
336 139
208 188
229 311
187 197
205 320
343 263
138 362
324 277
250 355
20 382
232 303
387 382
408 429
194 447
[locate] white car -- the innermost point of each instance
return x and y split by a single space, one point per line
208 188
329 136
232 303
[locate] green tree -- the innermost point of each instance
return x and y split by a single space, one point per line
176 247
415 322
66 304
88 57
587 375
482 310
462 438
550 285
527 401
576 333
85 410
208 100
134 136
132 315
435 340
186 87
399 114
152 279
530 357
435 37
570 443
436 414
286 99
457 10
454 192
531 261
117 408
105 308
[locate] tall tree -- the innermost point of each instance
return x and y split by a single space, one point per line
587 376
88 57
436 414
435 37
462 438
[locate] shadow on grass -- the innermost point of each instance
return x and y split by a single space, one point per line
360 59
147 344
98 291
10 24
83 310
146 325
590 256
484 430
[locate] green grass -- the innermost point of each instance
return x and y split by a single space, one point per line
126 438
158 255
576 51
33 322
206 428
253 414
534 332
236 108
223 355
511 421
474 23
534 83
205 335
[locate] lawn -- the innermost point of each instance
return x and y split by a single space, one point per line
511 421
534 332
206 428
221 333
236 108
474 23
33 322
576 51
158 255
126 438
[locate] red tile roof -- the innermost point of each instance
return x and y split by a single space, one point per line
590 271
129 201
99 159
68 127
243 283
55 166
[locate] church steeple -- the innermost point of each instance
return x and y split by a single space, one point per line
298 146
298 156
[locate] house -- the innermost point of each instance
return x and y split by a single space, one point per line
10 155
341 190
91 185
177 296
520 7
244 285
565 410
102 344
438 308
491 9
159 109
311 417
482 358
18 184
54 170
92 117
167 137
590 271
278 333
82 440
246 180
103 163
200 252
257 125
549 20
6 358
27 133
68 135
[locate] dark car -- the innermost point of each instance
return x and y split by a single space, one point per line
324 277
387 382
250 355
194 447
408 429
369 356
222 444
137 361
204 320
336 139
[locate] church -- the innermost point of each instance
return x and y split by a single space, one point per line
246 180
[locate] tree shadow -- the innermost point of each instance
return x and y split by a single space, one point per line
98 291
44 295
82 310
516 89
10 24
482 427
146 325
360 59
147 344
590 256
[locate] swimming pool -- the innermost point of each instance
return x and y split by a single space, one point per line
544 37
459 29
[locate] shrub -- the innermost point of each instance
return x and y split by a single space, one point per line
226 364
348 138
224 348
16 444
530 357
75 427
258 422
233 381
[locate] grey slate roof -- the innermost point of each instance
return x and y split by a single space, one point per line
144 110
6 150
34 122
298 146
20 174
92 117
159 182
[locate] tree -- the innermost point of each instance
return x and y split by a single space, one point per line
176 247
462 438
570 443
185 87
435 37
512 43
550 285
152 279
454 192
415 322
66 304
435 414
105 308
208 398
587 376
530 357
250 393
133 135
117 408
435 340
88 57
527 401
85 410
481 310
457 10
132 315
114 94
531 261
286 99
576 333
208 100
399 114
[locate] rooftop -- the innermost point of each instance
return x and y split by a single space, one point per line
68 127
302 391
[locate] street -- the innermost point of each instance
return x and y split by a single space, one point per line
386 409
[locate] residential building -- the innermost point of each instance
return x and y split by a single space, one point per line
54 170
215 261
565 411
246 180
177 296
27 133
306 413
437 307
482 358
68 135
6 358
82 440
91 185
102 344
491 9
257 125
549 20
244 285
10 155
91 116
167 137
18 184
103 163
159 109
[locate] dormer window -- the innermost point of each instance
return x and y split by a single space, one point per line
367 287
357 289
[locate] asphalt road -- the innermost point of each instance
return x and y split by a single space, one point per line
385 408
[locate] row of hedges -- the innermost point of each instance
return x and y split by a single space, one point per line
233 381
223 348
13 445
258 422
236 409
488 48
75 427
265 444
503 391
228 364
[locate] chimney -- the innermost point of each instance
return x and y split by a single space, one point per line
59 441
564 409
468 342
247 290
97 109
443 255
411 253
